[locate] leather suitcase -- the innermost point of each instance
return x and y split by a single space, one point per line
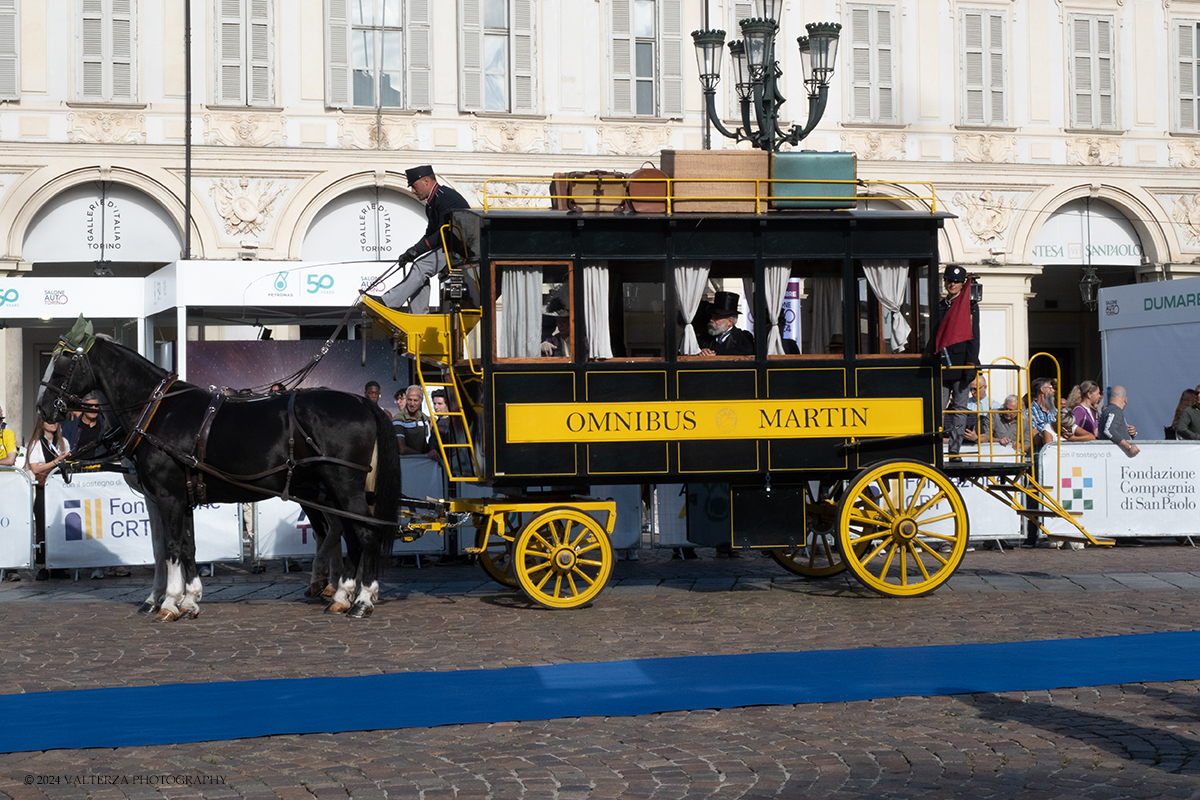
650 183
589 191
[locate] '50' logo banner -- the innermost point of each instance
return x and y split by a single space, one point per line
316 283
9 297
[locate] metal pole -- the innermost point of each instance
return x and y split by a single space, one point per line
707 124
187 130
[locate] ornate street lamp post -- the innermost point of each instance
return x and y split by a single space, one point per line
756 76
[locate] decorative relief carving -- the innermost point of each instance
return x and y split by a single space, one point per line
1184 153
510 194
245 208
875 145
1094 151
510 137
632 140
245 130
981 148
1187 214
368 133
985 214
103 127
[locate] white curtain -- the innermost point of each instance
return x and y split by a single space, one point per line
521 328
826 310
596 310
778 273
690 279
889 281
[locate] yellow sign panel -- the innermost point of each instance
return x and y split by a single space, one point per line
713 419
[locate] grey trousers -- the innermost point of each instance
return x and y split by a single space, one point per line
414 289
955 395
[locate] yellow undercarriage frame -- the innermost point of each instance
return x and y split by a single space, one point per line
556 552
902 528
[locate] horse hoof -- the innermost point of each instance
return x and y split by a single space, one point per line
336 608
166 615
189 613
317 589
361 611
328 592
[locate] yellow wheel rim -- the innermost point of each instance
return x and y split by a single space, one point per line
902 528
562 558
496 555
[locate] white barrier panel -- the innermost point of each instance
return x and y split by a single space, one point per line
16 519
1155 493
627 531
99 521
988 518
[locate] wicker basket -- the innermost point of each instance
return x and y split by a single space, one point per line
715 169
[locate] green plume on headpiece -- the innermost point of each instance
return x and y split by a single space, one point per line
80 335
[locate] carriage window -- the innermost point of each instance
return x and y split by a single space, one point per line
810 318
624 309
889 321
533 310
724 319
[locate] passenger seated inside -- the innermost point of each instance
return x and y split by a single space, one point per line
725 338
556 327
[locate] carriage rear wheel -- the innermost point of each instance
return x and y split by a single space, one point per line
562 558
902 528
495 554
818 556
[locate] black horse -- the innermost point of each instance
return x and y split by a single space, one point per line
316 446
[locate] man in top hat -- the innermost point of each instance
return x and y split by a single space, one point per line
426 255
956 383
727 339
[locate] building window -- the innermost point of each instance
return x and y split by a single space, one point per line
378 54
872 65
10 76
1187 76
244 48
646 53
983 97
497 55
107 33
1092 72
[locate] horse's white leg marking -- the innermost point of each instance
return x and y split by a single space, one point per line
191 599
341 598
368 594
173 596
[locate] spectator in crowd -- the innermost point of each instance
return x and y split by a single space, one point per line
1187 415
1112 422
410 423
8 444
1084 404
278 388
979 394
1001 426
371 391
87 430
1043 411
47 449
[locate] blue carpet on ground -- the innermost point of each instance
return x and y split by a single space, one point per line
138 716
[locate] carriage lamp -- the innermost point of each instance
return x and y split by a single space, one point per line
756 75
1089 286
976 288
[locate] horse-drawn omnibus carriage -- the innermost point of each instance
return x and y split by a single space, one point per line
584 368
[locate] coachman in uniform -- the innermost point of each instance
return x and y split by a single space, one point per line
956 342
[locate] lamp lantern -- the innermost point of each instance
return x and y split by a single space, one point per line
708 56
758 35
1089 288
770 9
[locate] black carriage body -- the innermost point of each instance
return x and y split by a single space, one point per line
763 472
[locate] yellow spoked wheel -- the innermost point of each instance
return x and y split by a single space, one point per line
496 556
562 558
902 528
818 557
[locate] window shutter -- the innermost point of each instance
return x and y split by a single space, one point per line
1104 73
741 9
621 58
230 83
996 76
337 54
860 65
259 46
10 84
885 79
92 51
470 43
973 78
123 37
420 65
671 53
1185 75
1081 72
524 95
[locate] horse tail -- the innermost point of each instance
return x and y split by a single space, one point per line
386 472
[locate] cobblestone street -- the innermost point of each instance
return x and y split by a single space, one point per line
1135 740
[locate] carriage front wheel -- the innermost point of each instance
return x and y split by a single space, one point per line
562 558
902 528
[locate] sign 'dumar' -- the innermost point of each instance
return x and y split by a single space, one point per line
682 420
